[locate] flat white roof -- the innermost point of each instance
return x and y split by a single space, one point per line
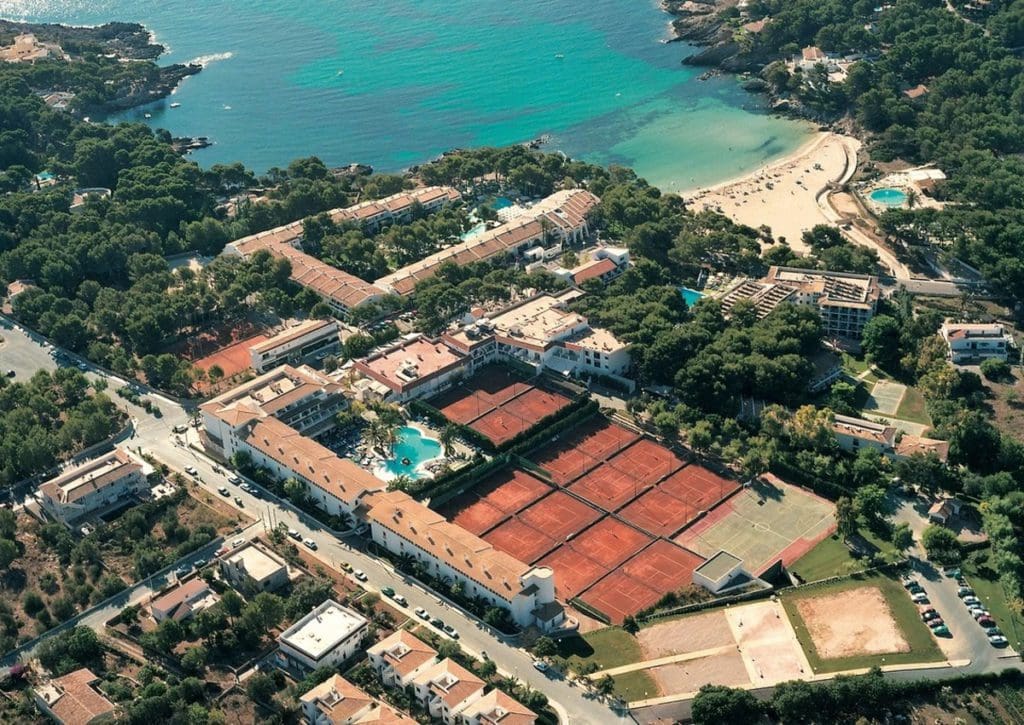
258 563
322 630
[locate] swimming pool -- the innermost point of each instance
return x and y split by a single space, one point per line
889 197
502 202
690 296
414 447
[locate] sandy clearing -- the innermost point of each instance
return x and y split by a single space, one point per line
685 677
689 634
770 649
851 623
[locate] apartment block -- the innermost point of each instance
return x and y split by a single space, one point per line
92 486
325 637
976 343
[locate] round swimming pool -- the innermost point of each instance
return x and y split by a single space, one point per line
889 197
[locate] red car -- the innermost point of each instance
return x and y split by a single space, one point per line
987 622
937 622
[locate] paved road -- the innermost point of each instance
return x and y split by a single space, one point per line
25 355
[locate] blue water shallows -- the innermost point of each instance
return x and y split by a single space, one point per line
690 296
415 447
889 197
394 83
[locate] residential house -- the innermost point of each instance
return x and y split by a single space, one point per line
183 601
400 658
74 699
335 701
253 568
445 689
93 486
855 434
325 637
976 343
496 708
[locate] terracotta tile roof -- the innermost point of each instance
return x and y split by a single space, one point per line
597 268
384 715
909 444
267 393
411 363
338 699
864 429
403 652
497 708
450 682
338 477
916 92
470 555
73 698
172 602
94 475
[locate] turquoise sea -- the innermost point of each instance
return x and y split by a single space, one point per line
395 82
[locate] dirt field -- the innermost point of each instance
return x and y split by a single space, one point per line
689 634
690 676
839 627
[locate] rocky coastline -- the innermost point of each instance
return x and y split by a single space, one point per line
123 41
700 23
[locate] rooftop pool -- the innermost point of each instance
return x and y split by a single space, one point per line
412 450
889 197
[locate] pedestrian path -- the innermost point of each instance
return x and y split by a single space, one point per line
658 662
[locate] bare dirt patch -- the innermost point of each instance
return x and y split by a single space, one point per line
852 623
688 634
690 676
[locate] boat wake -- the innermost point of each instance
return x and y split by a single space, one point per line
205 60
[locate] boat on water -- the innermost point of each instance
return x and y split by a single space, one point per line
149 115
560 56
175 105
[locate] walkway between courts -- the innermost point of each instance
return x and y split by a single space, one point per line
671 659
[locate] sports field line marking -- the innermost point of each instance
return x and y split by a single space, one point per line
669 660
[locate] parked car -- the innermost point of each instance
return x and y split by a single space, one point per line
451 631
234 480
987 622
998 640
346 566
993 630
540 665
358 574
295 534
936 623
237 542
952 571
437 622
909 582
422 613
245 486
182 571
199 564
180 428
942 631
223 492
387 592
400 600
191 470
920 598
964 592
238 501
915 588
979 613
971 600
929 615
11 373
309 544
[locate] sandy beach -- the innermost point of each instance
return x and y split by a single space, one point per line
784 194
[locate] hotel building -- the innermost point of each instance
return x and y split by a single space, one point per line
92 486
306 342
975 343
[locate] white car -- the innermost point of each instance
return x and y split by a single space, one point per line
540 665
191 470
971 600
358 574
997 640
422 613
920 598
310 544
234 480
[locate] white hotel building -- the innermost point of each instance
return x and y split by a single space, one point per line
93 485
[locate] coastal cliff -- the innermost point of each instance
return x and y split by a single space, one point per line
103 52
702 23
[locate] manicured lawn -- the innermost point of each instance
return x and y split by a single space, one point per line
638 685
609 647
986 586
923 647
854 365
914 408
833 558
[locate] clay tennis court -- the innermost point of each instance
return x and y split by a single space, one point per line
493 500
573 573
698 487
559 515
583 448
608 487
472 514
643 580
518 539
609 542
764 523
659 513
518 415
232 359
646 460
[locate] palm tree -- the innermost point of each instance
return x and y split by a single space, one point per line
913 197
382 435
447 439
401 482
